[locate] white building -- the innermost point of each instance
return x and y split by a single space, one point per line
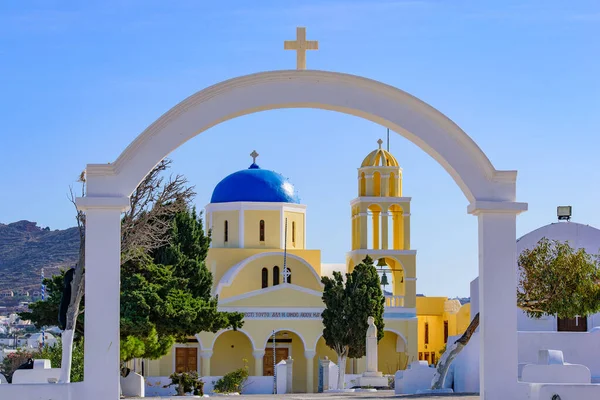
578 338
579 236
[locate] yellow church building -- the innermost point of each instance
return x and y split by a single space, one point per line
259 226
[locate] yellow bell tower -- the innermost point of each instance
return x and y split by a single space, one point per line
381 225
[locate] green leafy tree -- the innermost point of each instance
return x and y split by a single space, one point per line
348 304
166 295
555 279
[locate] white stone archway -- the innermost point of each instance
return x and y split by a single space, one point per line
491 195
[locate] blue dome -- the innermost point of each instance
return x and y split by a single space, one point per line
255 184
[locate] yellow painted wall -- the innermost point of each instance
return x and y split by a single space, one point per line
223 259
229 351
165 364
463 318
250 277
299 380
389 359
299 220
431 310
218 228
252 220
284 297
323 351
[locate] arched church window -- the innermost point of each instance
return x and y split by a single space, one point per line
426 333
226 232
289 278
275 275
265 278
393 185
362 190
376 184
293 231
262 230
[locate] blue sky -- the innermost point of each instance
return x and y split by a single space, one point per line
80 80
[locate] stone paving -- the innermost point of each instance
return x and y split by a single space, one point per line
346 396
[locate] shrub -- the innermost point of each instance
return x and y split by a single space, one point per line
391 381
234 381
12 361
54 354
187 382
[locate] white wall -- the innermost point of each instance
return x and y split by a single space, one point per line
43 392
577 347
254 385
26 376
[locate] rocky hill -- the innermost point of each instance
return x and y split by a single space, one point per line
25 248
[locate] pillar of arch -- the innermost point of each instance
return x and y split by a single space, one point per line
375 215
393 185
491 195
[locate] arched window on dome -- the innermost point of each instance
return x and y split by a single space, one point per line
265 278
226 232
275 275
294 233
262 230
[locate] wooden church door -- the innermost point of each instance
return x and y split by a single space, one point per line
186 359
280 354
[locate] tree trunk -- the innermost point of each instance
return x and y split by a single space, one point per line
450 354
77 290
341 370
67 350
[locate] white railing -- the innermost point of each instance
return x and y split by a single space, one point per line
394 301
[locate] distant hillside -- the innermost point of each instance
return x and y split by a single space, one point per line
25 248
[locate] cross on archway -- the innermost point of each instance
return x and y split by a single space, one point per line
301 45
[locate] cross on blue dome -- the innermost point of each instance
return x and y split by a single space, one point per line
255 185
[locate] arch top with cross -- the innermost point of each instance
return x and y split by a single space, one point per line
300 45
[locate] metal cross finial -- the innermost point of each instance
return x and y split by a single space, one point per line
286 275
380 142
301 45
254 154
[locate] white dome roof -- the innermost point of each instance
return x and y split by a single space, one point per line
578 235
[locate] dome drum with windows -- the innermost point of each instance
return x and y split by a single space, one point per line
249 208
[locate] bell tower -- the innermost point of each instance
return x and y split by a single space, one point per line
381 226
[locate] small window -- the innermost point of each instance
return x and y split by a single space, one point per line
265 278
275 275
226 232
426 333
293 231
420 356
433 357
445 331
262 230
427 357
